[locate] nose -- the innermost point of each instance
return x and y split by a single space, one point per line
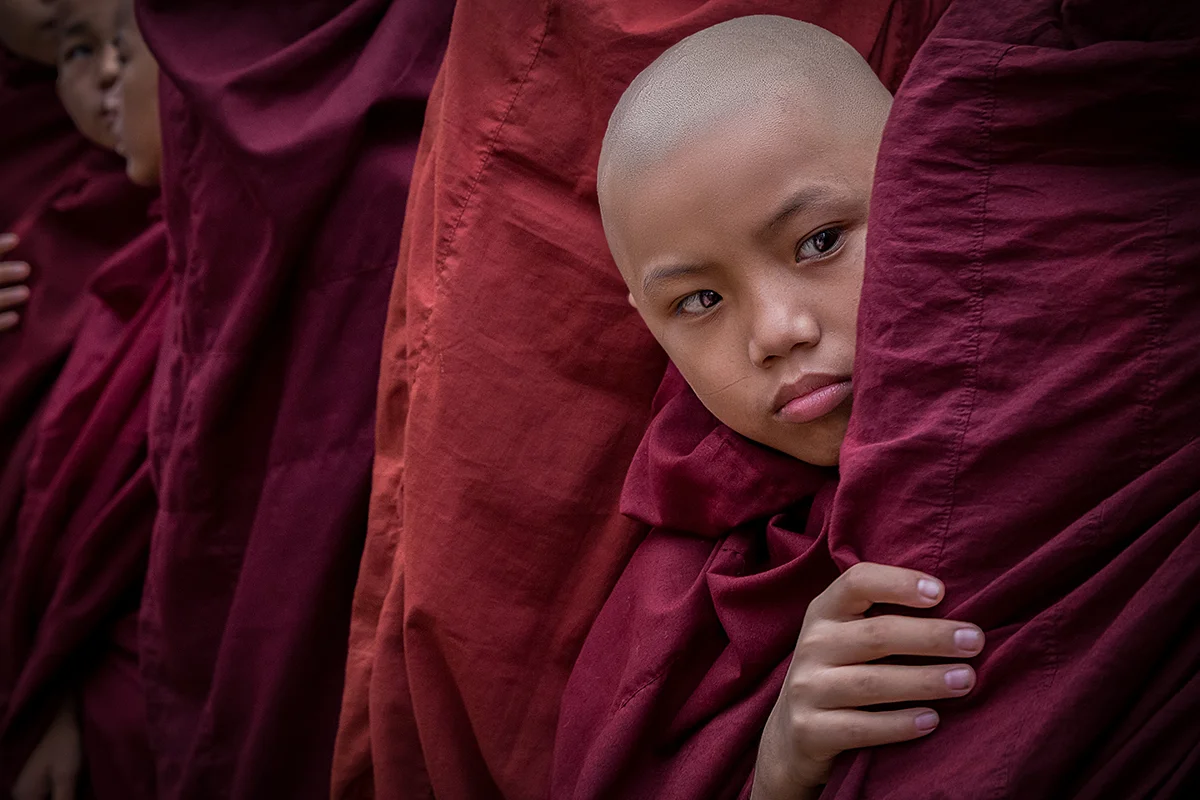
110 67
778 326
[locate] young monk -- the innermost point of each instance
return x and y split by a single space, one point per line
74 716
734 184
87 212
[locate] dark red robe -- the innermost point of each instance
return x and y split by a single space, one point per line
1025 428
90 213
516 384
38 141
289 134
75 572
1026 388
674 684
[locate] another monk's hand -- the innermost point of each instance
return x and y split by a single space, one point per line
832 677
52 771
13 292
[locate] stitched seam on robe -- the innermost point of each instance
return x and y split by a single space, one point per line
448 240
975 309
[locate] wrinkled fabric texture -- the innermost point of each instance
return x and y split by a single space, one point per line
38 141
516 385
677 677
79 558
1025 425
91 212
289 134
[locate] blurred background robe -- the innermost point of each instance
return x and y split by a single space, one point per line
68 620
289 135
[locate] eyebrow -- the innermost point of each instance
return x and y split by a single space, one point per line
660 275
797 203
78 28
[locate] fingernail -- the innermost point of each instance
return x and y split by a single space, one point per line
929 588
927 721
968 639
958 678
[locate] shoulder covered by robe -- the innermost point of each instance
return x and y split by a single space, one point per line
1025 424
38 141
76 568
678 675
289 136
515 387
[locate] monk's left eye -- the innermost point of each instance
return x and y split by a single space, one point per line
820 244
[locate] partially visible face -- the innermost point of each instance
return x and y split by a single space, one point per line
743 251
88 66
134 102
27 28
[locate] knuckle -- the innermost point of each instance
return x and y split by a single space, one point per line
873 635
864 686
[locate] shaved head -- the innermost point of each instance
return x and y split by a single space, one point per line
743 68
735 186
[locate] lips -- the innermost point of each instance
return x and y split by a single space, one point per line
811 398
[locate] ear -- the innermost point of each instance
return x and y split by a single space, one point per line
632 302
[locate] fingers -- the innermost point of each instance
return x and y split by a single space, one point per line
863 640
865 584
7 242
9 320
874 684
13 272
13 297
849 729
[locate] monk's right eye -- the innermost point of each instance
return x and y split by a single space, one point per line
76 51
697 302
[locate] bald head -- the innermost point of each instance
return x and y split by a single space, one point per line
743 68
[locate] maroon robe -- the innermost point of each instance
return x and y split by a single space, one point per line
678 674
1025 428
289 133
90 213
1026 387
77 565
38 141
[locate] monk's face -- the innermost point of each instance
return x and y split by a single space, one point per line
87 65
27 28
134 101
743 250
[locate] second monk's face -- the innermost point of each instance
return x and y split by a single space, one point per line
87 65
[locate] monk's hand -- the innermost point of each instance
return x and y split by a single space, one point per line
832 677
13 292
52 771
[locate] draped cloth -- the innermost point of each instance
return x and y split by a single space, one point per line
289 134
77 564
680 671
89 213
515 387
1025 422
